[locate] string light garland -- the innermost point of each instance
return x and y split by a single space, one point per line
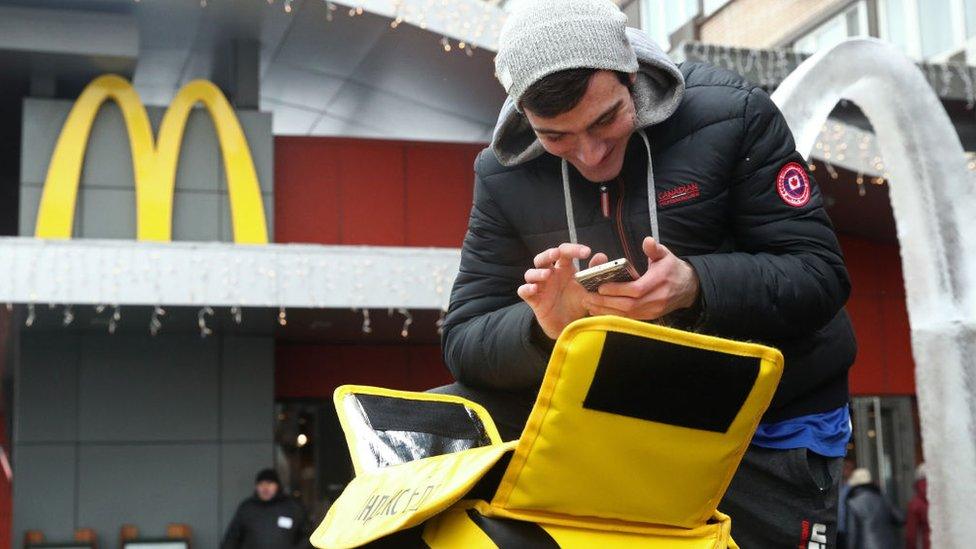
202 321
856 150
31 315
367 323
96 272
159 313
469 24
213 275
113 321
155 320
69 316
407 321
838 144
237 314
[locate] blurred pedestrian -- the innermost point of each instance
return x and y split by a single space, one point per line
269 519
917 533
842 502
871 521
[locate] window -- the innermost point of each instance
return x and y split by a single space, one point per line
934 30
660 18
849 23
712 6
893 25
935 26
969 6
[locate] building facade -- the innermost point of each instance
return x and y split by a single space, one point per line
364 126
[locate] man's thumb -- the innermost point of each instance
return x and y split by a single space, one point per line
653 250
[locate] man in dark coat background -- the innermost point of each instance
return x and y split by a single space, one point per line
270 519
607 149
872 522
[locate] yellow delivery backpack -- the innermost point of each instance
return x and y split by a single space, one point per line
632 442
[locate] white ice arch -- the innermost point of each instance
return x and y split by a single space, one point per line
933 200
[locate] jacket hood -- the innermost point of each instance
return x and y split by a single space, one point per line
657 93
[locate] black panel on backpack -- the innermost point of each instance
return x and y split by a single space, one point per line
446 419
670 383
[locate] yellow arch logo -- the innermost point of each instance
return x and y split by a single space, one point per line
153 163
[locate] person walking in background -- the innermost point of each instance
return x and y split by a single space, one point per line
871 521
269 519
917 534
842 502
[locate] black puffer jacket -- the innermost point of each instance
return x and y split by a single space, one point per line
770 272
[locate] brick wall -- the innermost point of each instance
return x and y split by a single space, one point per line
762 23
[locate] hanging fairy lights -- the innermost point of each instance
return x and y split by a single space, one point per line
367 323
838 145
207 313
31 315
469 23
113 321
202 315
407 321
109 276
156 320
69 316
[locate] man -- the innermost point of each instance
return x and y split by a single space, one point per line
871 521
606 149
268 519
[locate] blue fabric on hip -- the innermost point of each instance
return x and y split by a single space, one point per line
826 433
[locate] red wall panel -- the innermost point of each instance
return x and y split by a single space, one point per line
868 372
371 202
439 185
877 308
372 192
899 364
314 371
306 200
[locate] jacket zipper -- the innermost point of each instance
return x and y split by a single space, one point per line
620 231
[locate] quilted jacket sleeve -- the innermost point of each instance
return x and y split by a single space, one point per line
487 334
786 276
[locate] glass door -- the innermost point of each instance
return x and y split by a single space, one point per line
885 442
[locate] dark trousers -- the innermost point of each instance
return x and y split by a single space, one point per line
777 498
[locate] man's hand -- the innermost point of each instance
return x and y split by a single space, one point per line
555 297
668 285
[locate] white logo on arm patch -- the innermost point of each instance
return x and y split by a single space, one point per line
793 185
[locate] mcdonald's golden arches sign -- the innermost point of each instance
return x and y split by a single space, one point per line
153 161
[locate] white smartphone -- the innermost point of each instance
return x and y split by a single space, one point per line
612 271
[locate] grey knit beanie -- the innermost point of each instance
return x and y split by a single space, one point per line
547 36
